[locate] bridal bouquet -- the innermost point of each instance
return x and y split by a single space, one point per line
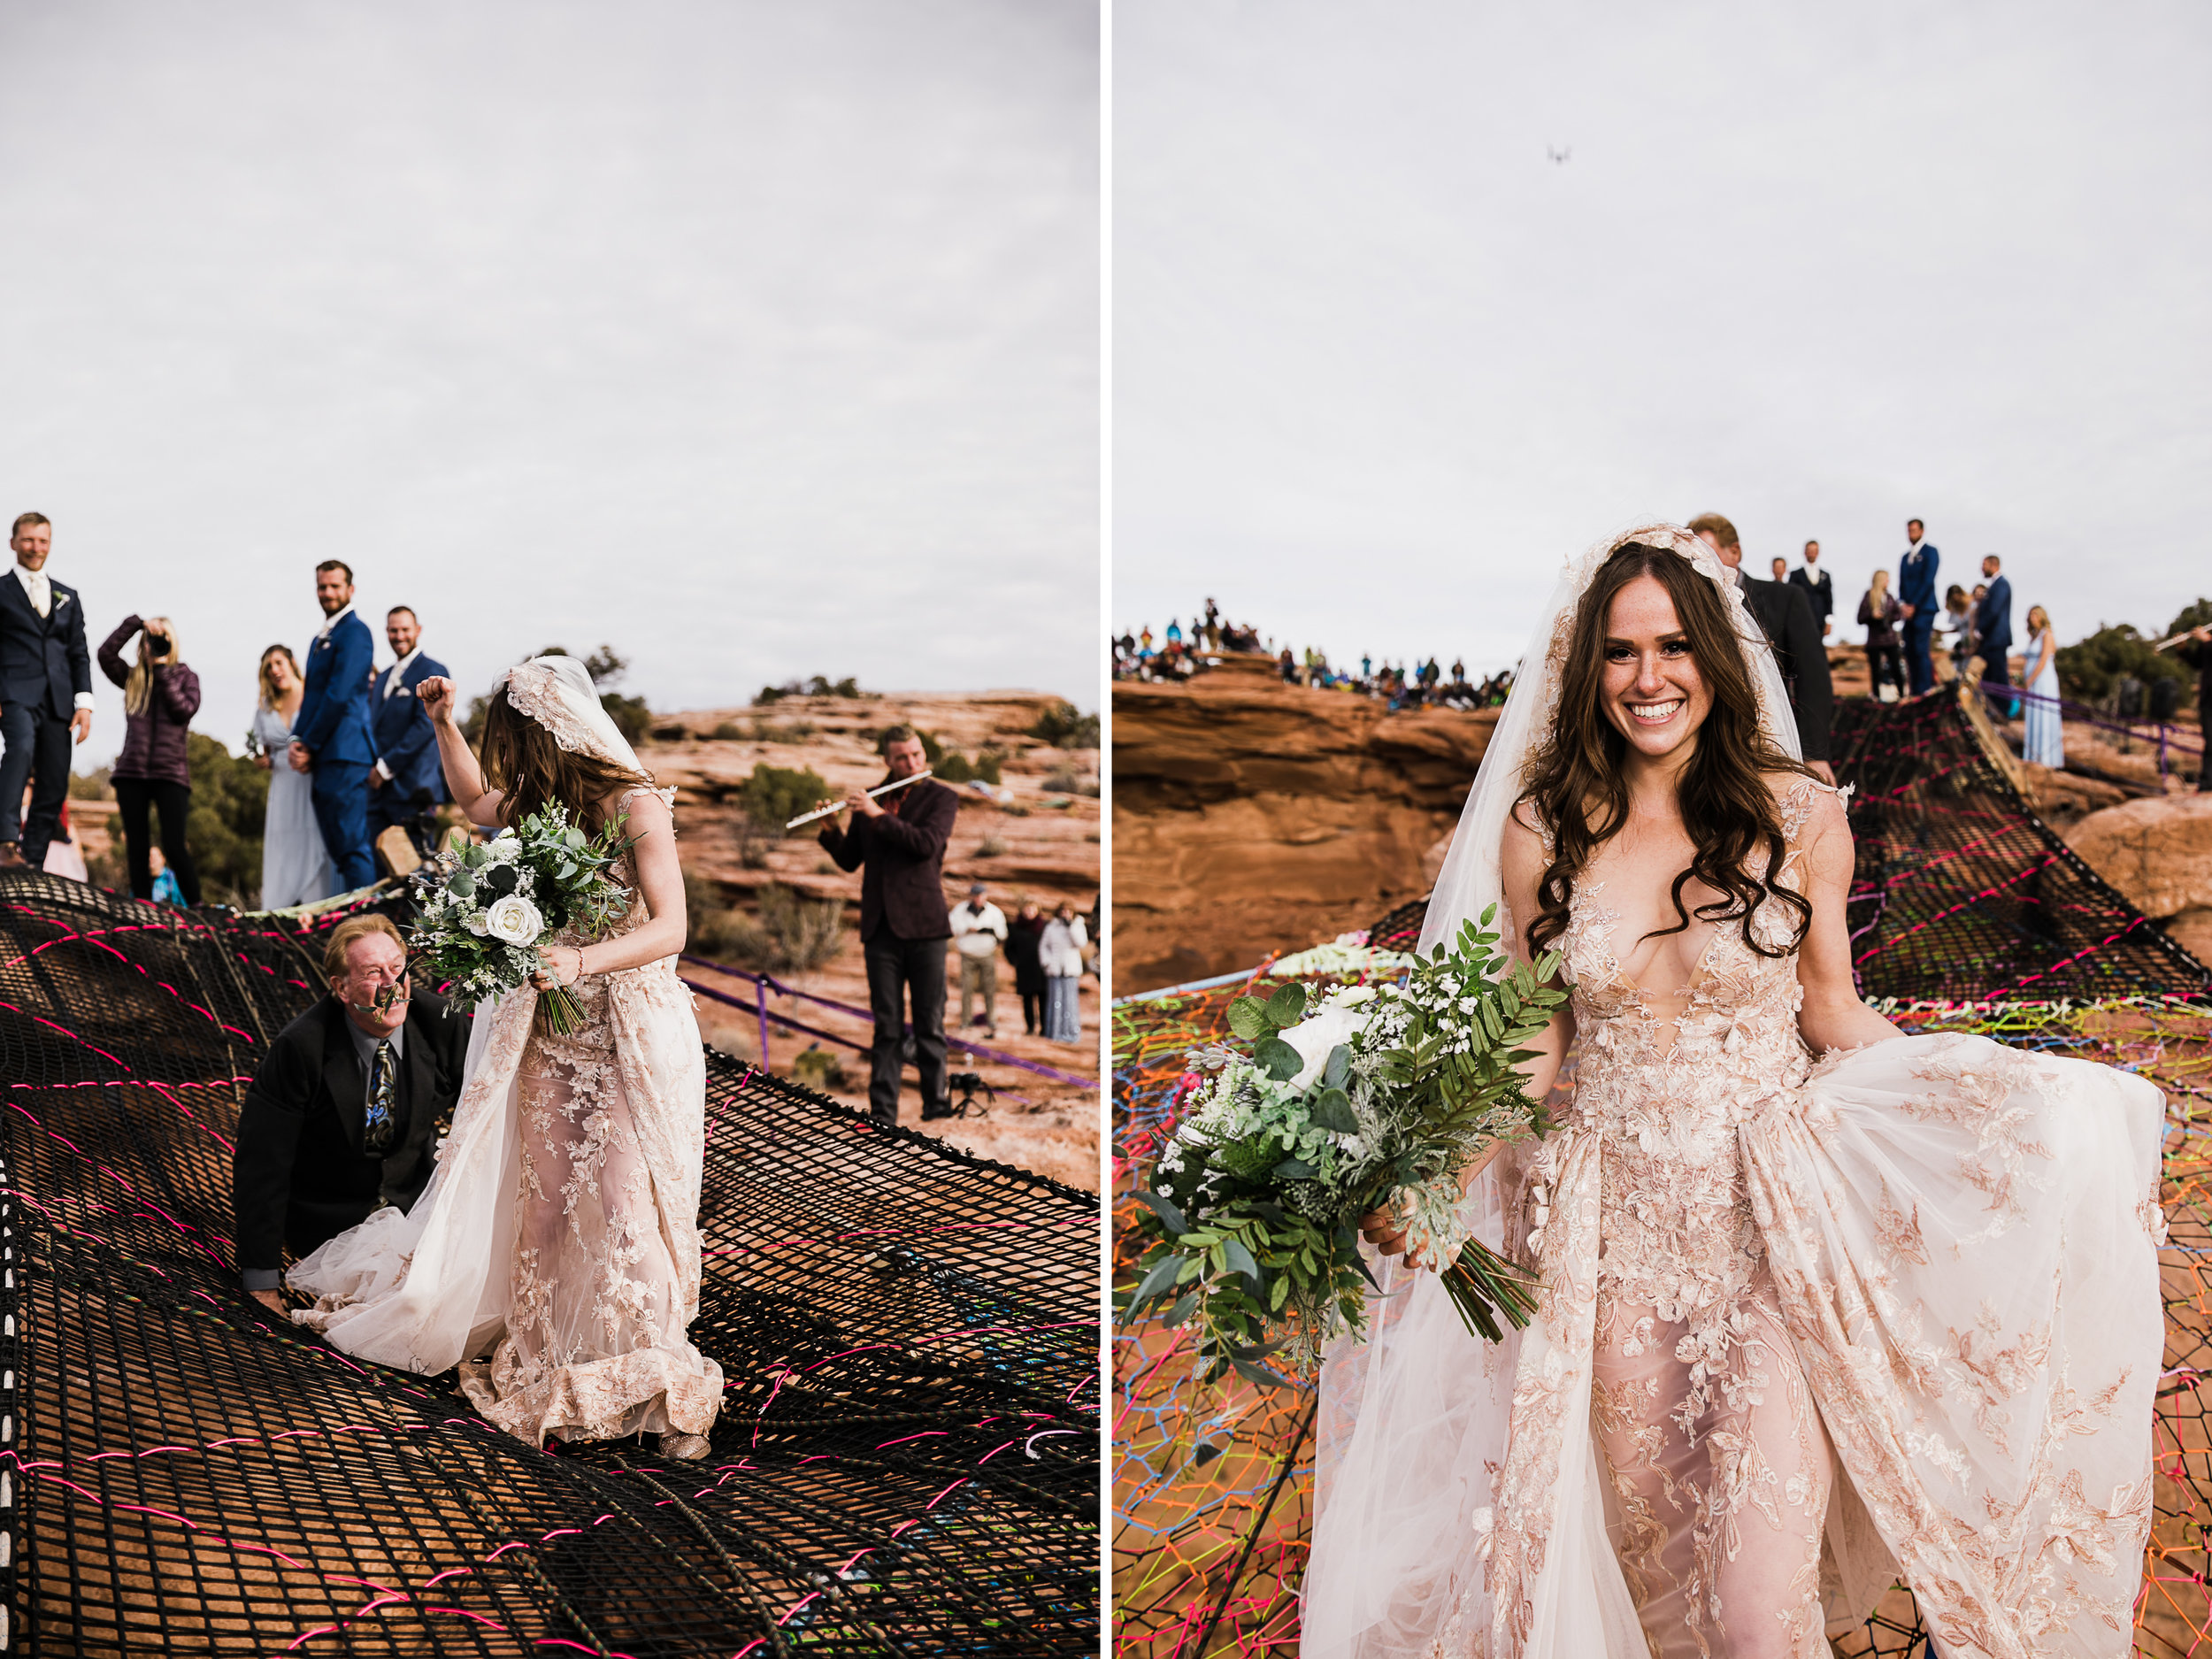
1376 1103
482 911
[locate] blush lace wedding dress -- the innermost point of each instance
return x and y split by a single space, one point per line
1804 1328
555 1255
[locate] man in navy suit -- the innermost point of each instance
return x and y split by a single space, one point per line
1993 625
1916 593
407 782
45 692
330 739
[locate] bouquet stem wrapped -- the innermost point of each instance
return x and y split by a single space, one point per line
1377 1102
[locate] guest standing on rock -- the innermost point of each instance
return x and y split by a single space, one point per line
1993 627
1916 592
407 783
1817 587
1880 612
294 864
45 692
160 696
979 928
1061 953
898 844
1024 939
331 742
2043 741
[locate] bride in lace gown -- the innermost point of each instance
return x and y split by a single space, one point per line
1821 1305
555 1255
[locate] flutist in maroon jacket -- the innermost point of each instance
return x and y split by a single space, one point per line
898 844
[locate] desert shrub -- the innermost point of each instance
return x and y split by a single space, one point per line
774 795
1067 780
1064 727
791 934
728 732
990 847
815 686
754 839
2089 668
95 784
818 1069
954 768
230 804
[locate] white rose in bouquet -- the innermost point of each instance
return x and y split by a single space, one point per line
477 924
514 920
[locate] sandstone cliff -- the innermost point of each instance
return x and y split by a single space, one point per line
2158 852
1252 817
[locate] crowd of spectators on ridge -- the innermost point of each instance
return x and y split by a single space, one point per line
1180 651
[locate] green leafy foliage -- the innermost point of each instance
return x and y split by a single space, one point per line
774 795
2089 668
230 804
1253 1203
1064 727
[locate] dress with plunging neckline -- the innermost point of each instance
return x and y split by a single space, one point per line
1817 1324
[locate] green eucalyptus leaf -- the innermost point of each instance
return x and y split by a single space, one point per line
1170 1217
1287 1006
1331 1109
1239 1260
1157 1282
1338 1067
1292 1170
1278 1058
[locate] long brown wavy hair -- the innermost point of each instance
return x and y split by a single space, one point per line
522 761
1576 782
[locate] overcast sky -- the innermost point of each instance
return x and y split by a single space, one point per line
758 339
1380 365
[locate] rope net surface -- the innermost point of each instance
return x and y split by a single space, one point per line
1213 1487
906 1459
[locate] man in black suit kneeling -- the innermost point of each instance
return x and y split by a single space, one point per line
342 1118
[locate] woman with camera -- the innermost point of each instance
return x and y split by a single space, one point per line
160 696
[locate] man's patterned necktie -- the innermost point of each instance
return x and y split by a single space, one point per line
377 1136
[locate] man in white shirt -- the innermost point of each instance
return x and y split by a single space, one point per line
45 692
977 931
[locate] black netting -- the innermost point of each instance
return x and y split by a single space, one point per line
1962 892
906 1459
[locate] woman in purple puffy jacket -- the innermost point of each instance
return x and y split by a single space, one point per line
160 696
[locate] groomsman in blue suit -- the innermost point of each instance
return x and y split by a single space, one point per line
1916 592
407 782
331 739
1993 627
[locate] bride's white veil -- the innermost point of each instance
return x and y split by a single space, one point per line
1412 1423
557 692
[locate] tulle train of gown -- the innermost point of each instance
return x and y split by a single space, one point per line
1802 1328
294 864
555 1255
2046 738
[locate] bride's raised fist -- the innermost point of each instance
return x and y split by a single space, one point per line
437 696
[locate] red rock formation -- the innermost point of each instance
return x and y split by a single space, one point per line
1251 816
2158 852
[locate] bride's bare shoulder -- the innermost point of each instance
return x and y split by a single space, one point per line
1523 848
